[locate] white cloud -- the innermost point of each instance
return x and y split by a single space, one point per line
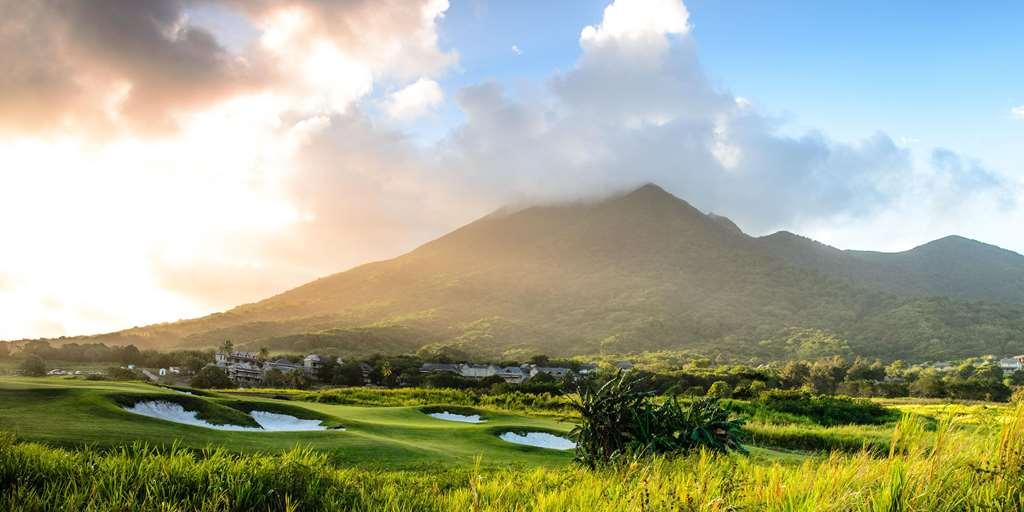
414 100
1018 112
637 20
516 50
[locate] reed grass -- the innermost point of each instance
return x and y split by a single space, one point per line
950 467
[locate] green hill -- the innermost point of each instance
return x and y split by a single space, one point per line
954 267
639 271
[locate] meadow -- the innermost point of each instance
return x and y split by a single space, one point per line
69 445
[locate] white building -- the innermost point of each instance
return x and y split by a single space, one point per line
1011 364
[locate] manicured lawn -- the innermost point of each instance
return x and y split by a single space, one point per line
71 413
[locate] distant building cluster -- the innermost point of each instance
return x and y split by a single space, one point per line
1011 364
510 374
1008 365
249 369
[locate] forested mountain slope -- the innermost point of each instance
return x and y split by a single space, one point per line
639 271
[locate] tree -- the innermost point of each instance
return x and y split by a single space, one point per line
264 353
347 374
33 366
795 374
720 389
540 360
193 364
756 388
928 385
298 379
212 377
275 379
227 347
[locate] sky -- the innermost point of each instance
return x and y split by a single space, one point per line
165 159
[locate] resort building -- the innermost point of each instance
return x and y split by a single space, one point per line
1011 364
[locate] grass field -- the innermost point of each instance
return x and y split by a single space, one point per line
73 413
74 448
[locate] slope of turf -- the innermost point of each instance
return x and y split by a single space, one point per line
72 413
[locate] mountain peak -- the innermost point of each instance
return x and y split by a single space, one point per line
651 191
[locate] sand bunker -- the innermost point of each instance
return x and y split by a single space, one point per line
539 439
268 421
451 416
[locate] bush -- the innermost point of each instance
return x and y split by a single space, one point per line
619 422
720 389
211 377
33 366
827 410
116 373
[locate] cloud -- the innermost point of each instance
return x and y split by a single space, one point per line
141 66
646 21
87 64
1017 112
414 100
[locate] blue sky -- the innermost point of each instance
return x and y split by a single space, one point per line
927 73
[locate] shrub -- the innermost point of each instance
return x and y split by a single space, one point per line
33 366
117 373
211 377
618 422
827 410
720 389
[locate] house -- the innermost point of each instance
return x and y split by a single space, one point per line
477 371
366 370
313 363
624 365
246 374
282 365
557 372
174 370
225 359
1011 364
440 368
162 372
513 374
586 369
943 366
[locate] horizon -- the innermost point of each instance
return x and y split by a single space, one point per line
168 160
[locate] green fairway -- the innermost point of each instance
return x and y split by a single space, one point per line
72 413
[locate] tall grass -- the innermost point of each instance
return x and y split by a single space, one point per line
950 468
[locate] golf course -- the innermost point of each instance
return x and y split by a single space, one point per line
74 413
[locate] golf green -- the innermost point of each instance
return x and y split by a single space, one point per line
73 412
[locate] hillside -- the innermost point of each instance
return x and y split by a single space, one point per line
639 271
954 267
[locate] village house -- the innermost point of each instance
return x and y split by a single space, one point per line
1010 365
510 374
248 368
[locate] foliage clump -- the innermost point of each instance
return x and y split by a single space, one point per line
827 410
619 422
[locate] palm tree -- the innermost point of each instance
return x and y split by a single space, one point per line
227 347
264 353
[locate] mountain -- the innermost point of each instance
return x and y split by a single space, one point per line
953 267
638 271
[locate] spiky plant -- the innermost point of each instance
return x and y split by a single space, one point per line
619 422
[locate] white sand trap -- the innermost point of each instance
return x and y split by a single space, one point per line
268 421
539 439
273 422
451 416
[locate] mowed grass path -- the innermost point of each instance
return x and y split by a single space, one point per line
72 413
